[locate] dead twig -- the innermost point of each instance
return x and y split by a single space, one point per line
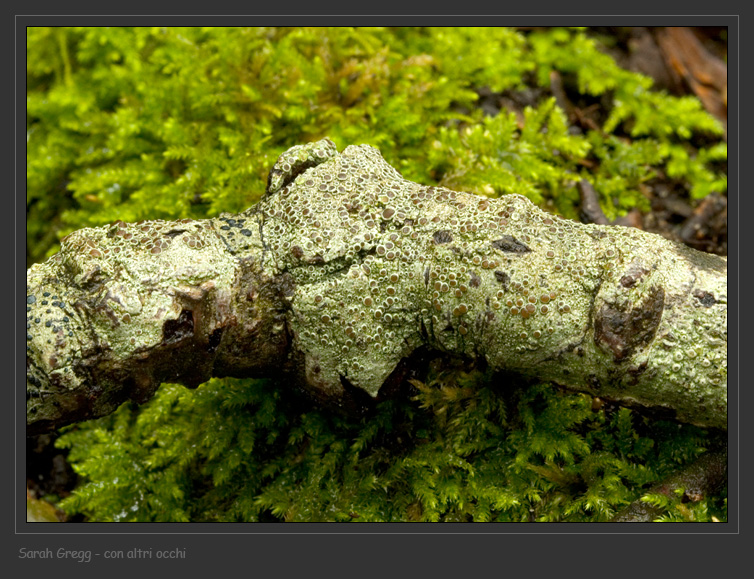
702 478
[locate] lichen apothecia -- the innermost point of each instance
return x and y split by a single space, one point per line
344 269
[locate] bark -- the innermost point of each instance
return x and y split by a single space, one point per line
702 478
344 271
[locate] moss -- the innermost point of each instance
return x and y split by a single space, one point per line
151 123
454 451
146 123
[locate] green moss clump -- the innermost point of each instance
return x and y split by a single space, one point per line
137 123
461 448
167 123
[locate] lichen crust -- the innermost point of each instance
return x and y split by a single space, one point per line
110 291
345 269
383 265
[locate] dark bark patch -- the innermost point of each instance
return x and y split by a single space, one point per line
33 380
142 386
503 278
176 330
283 285
627 281
442 236
475 280
214 340
625 329
633 275
594 382
705 298
635 372
510 244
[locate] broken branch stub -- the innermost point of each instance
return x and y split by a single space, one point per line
344 269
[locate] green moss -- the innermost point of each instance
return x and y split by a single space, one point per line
164 123
137 123
461 448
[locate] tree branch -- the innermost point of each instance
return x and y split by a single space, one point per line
345 269
702 478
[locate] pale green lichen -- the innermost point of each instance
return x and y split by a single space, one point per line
112 289
383 265
370 267
296 160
